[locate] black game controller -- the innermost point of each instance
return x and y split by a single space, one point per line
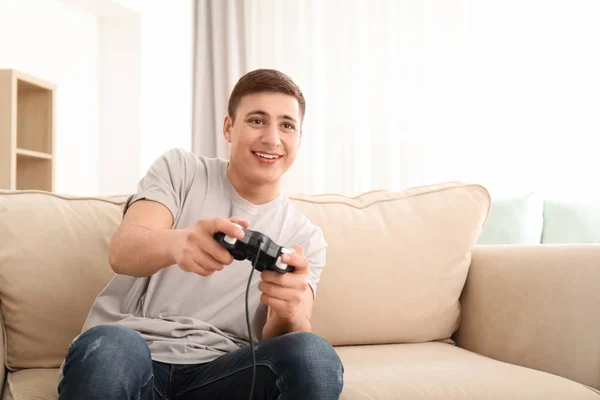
247 248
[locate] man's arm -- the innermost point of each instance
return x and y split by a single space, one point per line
146 242
142 244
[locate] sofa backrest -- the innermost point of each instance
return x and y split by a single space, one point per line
53 263
397 263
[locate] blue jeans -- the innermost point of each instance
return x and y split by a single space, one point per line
112 362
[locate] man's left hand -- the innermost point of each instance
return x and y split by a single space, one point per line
284 293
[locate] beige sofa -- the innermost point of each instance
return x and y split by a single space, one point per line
415 309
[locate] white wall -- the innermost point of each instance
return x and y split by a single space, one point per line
119 85
146 88
160 95
123 69
56 43
166 76
167 65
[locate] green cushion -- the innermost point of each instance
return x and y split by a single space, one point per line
515 220
571 222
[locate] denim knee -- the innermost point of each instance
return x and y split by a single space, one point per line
110 343
316 368
106 360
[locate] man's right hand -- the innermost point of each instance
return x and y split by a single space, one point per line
195 249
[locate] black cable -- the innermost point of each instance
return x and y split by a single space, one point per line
248 321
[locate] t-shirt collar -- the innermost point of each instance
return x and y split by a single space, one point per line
241 201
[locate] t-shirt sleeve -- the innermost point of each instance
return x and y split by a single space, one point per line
167 181
315 251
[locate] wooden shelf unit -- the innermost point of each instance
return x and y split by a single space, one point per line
27 132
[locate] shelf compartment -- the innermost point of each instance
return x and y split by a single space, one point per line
34 173
27 132
34 117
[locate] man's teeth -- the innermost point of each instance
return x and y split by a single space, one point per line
268 156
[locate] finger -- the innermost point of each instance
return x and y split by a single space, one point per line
202 271
227 227
288 280
193 267
240 221
207 262
218 252
296 260
299 249
294 295
281 307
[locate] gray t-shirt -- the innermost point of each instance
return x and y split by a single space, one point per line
186 318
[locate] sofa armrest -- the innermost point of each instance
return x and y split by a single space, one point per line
537 306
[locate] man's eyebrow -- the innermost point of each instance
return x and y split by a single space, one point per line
290 118
259 112
266 114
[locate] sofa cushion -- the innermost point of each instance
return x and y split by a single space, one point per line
568 221
38 384
440 371
53 253
514 220
396 262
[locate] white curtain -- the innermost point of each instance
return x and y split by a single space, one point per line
403 93
219 61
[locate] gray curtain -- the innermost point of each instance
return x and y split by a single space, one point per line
219 61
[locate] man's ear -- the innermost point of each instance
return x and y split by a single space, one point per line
227 125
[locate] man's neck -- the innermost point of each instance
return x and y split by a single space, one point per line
255 194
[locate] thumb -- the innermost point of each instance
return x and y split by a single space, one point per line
240 221
299 249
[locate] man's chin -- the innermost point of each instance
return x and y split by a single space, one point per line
265 177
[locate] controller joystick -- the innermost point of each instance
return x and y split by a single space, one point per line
253 243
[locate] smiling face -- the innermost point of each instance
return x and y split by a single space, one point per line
264 134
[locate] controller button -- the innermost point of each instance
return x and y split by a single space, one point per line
230 240
279 264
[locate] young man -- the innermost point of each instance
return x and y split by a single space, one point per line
172 323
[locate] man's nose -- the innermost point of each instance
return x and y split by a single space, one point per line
271 136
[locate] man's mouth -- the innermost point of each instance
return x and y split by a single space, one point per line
267 156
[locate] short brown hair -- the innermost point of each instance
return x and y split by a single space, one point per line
264 80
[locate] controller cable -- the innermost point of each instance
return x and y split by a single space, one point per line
254 264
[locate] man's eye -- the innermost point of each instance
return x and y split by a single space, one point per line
288 126
256 121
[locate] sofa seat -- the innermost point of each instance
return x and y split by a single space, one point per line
31 384
432 371
436 371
